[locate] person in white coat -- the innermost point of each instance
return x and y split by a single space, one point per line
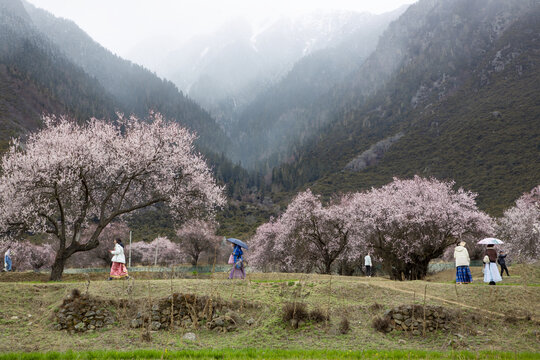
367 264
118 267
463 272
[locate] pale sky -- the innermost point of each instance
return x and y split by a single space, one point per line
120 25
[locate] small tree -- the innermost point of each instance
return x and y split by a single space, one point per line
520 227
410 222
67 175
161 249
197 237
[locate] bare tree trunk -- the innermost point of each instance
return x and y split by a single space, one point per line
58 267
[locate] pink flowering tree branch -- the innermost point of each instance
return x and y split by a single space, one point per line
520 228
68 174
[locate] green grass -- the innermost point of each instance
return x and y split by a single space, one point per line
26 310
268 354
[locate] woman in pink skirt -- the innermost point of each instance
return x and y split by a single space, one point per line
118 268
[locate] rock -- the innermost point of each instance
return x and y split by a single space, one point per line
250 321
231 328
89 314
189 336
416 332
219 322
496 114
14 317
401 341
294 323
91 327
155 307
79 326
57 327
136 323
236 317
155 325
398 316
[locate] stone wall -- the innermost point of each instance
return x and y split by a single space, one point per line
82 313
189 311
411 318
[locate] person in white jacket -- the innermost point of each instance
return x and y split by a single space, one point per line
118 267
463 272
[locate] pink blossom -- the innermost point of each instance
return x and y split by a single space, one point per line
520 228
68 174
161 251
197 237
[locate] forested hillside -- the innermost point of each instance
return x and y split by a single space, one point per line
36 78
462 97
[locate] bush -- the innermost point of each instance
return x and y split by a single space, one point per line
317 315
381 324
344 325
294 311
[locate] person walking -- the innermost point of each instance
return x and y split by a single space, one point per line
501 259
491 272
367 264
237 271
7 259
118 267
463 272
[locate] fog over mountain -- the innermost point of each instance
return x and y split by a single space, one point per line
225 70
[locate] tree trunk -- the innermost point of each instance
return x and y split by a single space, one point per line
58 267
417 270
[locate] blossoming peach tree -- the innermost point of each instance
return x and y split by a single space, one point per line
410 222
404 224
307 236
69 174
196 238
520 227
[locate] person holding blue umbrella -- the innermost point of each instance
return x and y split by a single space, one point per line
237 271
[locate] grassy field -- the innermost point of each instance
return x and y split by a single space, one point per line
502 318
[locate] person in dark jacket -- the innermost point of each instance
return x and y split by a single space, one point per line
491 271
501 259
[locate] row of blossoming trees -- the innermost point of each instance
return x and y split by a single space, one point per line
405 224
71 179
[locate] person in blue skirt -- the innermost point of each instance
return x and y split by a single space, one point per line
7 259
463 272
237 271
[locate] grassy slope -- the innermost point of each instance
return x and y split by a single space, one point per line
352 297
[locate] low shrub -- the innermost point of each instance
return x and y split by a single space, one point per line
344 325
381 324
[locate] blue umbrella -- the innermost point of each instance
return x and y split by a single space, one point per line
238 242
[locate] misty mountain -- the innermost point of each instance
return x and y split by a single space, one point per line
291 110
36 78
223 71
133 88
449 92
